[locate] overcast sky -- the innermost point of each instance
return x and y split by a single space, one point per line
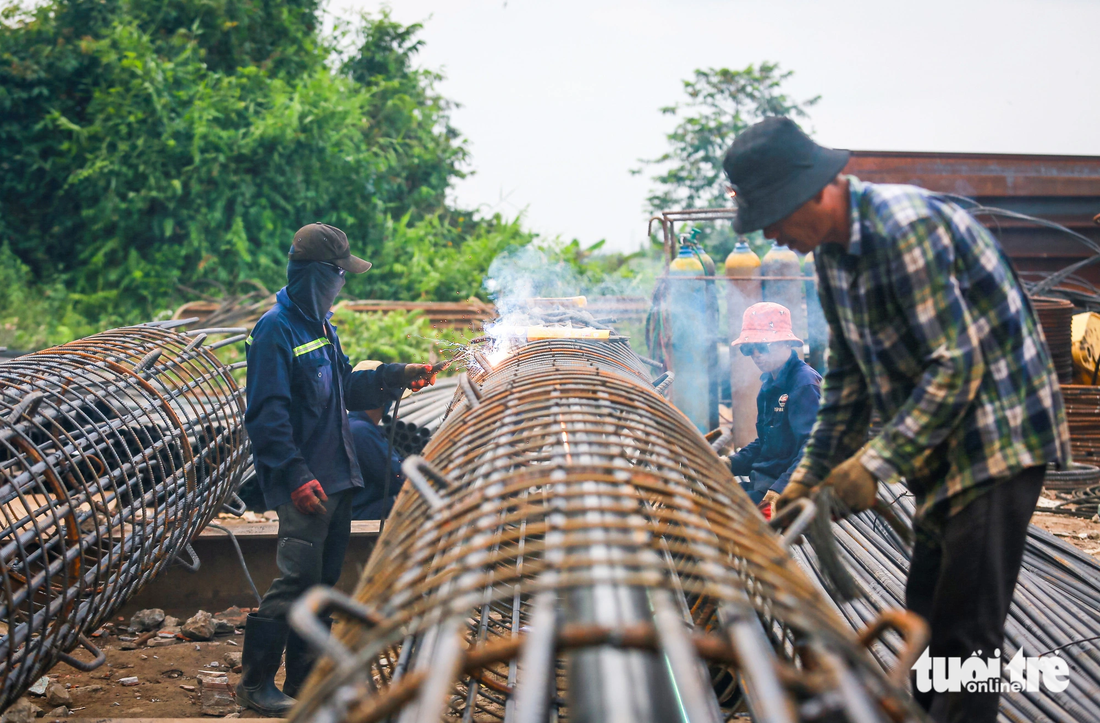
561 97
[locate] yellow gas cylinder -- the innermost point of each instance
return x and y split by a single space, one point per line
780 261
742 291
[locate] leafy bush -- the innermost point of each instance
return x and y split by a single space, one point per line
392 336
33 317
147 144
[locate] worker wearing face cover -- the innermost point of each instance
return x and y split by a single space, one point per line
785 407
300 388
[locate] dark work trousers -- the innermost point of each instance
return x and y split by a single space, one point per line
757 486
310 552
962 584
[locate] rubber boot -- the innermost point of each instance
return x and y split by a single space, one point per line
264 640
300 658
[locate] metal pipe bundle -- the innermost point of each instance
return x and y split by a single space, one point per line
570 548
115 451
1056 606
419 416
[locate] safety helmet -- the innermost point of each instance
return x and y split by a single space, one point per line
764 323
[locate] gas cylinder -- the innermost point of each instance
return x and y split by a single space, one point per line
742 291
781 261
688 318
817 330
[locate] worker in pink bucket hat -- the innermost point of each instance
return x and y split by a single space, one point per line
785 407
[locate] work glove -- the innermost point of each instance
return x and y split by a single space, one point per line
418 376
853 484
767 505
800 484
307 499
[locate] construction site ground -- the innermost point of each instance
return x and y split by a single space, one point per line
162 674
167 685
1084 534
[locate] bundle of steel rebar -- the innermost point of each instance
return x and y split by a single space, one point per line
115 451
419 416
570 548
1056 318
1056 607
1083 417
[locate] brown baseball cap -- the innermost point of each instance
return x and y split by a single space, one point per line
321 242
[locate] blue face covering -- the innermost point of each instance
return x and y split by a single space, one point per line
313 286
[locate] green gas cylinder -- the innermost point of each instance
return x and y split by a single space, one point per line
817 330
688 318
780 261
742 291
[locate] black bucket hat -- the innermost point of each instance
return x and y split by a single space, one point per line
775 168
321 242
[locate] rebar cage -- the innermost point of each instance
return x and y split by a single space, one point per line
572 549
115 450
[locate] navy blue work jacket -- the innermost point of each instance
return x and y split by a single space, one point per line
785 411
300 386
371 446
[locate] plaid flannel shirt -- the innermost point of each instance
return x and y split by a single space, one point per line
929 323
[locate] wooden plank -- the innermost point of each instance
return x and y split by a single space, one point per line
270 530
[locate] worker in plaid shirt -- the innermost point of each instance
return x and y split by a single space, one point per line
931 329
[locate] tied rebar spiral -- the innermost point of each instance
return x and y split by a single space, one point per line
571 549
115 451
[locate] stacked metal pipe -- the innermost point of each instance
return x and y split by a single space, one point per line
115 451
570 548
1056 607
419 416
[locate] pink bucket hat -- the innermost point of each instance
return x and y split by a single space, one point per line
766 322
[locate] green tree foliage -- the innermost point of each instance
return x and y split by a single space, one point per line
144 145
720 104
394 336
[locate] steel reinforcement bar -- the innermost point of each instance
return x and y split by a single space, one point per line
570 548
115 451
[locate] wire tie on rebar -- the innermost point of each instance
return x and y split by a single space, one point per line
305 617
147 361
427 480
28 406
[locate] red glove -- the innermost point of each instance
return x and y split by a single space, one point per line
418 376
307 499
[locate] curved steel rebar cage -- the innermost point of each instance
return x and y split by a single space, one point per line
574 550
115 450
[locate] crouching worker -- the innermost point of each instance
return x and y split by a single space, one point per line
785 407
374 501
300 386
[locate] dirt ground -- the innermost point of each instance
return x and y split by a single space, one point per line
161 672
1081 533
165 673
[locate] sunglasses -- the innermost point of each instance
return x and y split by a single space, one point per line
750 349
